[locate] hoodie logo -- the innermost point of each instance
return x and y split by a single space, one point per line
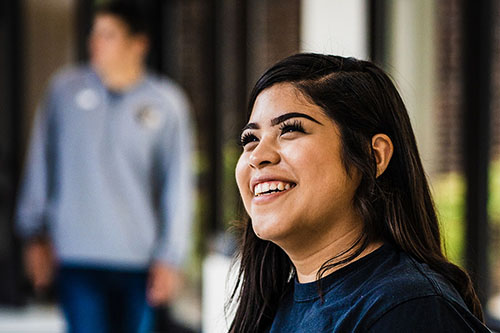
87 99
148 117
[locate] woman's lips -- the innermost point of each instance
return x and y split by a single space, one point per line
268 187
267 196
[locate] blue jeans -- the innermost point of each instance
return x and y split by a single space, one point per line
104 300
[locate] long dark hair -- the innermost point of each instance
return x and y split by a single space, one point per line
396 207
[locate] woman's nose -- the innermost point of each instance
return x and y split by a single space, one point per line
264 154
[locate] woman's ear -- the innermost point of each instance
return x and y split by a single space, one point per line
382 149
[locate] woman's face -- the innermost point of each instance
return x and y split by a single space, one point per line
290 174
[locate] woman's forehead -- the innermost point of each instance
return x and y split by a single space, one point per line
281 99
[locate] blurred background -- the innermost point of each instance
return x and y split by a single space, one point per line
444 56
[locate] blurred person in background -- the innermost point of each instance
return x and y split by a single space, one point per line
105 205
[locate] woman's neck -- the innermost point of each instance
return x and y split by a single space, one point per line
307 264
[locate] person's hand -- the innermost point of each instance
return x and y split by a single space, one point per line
163 283
39 262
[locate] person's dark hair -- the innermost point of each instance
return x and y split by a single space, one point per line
396 207
129 12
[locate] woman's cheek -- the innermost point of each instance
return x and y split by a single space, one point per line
298 153
242 175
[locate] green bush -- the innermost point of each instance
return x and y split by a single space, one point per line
449 197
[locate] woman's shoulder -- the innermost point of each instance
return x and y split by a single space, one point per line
396 277
424 314
385 291
401 272
401 292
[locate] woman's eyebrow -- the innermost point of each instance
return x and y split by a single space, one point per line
280 119
287 116
250 126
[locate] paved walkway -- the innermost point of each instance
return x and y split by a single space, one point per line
31 319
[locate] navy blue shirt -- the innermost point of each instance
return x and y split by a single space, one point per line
385 291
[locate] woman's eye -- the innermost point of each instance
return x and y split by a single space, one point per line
295 126
247 138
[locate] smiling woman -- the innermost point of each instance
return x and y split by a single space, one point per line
341 232
286 134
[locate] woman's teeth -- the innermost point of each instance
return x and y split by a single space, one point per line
270 187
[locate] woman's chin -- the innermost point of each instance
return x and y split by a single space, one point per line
269 230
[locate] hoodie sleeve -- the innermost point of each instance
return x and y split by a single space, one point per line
176 185
34 190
